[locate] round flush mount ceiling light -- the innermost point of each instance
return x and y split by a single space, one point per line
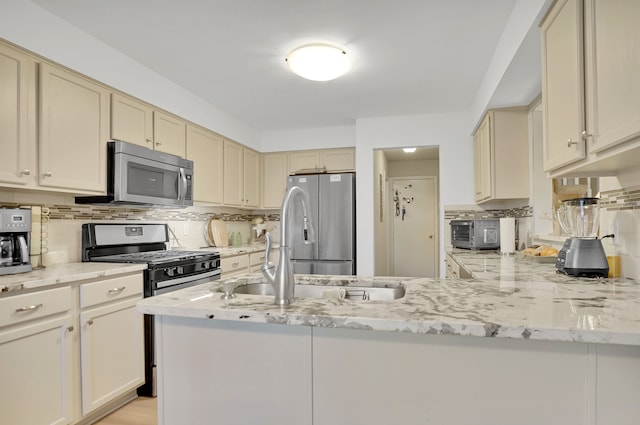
318 62
409 150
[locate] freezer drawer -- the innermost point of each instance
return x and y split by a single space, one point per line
323 267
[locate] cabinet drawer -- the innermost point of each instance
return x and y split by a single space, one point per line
231 264
256 258
110 290
21 308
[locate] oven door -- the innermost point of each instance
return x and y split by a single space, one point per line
184 282
143 181
462 234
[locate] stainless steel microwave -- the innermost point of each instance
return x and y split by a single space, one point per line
140 176
476 234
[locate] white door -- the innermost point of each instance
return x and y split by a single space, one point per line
414 209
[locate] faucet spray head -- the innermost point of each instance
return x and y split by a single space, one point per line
308 233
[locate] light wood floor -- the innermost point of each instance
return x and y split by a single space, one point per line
141 411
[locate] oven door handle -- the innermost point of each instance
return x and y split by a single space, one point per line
171 282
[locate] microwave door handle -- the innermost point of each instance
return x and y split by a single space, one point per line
182 186
24 250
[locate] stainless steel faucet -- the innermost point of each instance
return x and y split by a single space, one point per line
281 278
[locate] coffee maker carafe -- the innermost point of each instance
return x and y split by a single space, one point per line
15 231
582 254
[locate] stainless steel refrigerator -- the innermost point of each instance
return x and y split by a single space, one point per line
333 214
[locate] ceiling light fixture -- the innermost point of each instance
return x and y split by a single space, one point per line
318 62
409 150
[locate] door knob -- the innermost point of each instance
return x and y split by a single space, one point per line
430 236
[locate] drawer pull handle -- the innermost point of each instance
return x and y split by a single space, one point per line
116 290
236 264
30 308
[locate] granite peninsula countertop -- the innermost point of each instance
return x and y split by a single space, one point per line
507 297
60 274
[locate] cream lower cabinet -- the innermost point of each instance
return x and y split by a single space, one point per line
589 70
74 128
36 334
501 155
17 118
234 265
111 340
205 149
453 268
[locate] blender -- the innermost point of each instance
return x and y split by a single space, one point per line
582 254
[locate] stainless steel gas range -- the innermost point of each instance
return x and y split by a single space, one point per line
167 270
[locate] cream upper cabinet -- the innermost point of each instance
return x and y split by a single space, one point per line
233 173
303 160
17 117
251 178
331 160
612 40
562 91
169 134
137 122
591 112
338 159
482 161
131 120
205 149
501 155
274 179
74 128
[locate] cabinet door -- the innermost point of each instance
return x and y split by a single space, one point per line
131 121
74 117
233 174
111 352
338 159
613 67
36 369
169 134
17 116
251 179
482 160
205 149
274 179
563 84
303 160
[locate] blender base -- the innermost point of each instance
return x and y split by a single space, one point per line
583 257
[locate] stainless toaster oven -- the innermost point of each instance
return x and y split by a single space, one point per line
476 233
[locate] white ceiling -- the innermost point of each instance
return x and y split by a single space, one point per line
409 56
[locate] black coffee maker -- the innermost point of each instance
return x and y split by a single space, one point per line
15 233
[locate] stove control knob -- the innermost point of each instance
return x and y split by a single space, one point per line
179 270
170 272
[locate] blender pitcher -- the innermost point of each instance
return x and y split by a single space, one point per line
580 217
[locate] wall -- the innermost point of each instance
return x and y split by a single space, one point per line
446 131
311 138
423 168
381 214
620 214
29 26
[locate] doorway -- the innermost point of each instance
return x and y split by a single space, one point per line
391 245
413 228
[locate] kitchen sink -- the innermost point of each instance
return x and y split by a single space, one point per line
351 293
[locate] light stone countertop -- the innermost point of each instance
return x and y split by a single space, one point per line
508 297
66 273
